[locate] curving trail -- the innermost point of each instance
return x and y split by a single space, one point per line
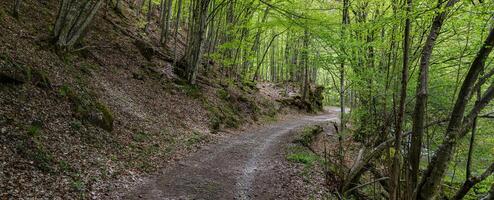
246 166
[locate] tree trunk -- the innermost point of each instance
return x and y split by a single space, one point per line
345 22
149 15
196 39
421 93
72 21
305 60
395 173
177 25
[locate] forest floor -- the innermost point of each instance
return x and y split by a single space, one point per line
248 165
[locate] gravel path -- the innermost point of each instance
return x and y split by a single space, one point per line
250 165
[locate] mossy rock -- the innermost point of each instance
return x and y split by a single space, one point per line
88 108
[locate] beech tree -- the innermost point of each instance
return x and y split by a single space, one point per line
72 20
197 28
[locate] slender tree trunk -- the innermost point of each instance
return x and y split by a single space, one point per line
395 173
305 60
149 15
197 28
177 26
345 22
167 19
421 93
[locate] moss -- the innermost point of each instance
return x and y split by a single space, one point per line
107 122
88 108
223 94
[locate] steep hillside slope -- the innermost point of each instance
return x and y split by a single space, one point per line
112 109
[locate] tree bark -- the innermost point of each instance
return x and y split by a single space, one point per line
395 173
421 92
305 60
72 21
196 39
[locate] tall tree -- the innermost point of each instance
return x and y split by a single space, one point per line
422 90
395 173
73 18
197 28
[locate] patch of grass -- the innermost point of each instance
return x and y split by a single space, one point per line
76 125
193 91
78 185
64 166
195 138
140 136
219 116
302 155
223 94
34 131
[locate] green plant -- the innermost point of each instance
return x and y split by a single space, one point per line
76 125
64 166
78 185
195 138
302 155
140 136
34 130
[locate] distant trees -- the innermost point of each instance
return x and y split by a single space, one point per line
73 18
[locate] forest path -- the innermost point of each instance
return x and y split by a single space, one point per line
250 165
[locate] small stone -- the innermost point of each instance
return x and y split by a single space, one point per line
3 130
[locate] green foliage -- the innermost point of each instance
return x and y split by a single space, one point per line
76 125
34 131
141 136
195 138
78 185
302 155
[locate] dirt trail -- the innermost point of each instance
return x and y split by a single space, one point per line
247 166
